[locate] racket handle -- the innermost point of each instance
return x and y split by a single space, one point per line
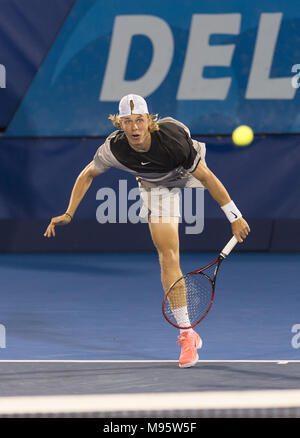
229 247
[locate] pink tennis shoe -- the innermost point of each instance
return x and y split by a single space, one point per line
190 342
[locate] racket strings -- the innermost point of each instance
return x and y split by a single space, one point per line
190 298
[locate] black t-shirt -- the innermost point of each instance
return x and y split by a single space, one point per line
171 147
172 154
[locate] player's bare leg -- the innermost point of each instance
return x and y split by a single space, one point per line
166 240
164 233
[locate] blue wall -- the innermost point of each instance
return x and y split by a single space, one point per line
59 92
211 65
37 176
27 32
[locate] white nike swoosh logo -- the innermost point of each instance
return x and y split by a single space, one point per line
144 164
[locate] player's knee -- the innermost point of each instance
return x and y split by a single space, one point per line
168 257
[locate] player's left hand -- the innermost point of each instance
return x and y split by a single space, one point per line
64 219
240 229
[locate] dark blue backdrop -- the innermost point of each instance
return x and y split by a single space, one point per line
27 31
37 176
81 74
44 43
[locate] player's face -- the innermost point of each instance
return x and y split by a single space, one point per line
136 129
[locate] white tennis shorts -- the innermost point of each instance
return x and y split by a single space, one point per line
159 201
164 200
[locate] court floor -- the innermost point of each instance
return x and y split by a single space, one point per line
108 307
149 389
91 324
35 378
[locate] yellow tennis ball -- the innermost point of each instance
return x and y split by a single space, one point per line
242 135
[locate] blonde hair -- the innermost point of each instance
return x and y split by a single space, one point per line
153 118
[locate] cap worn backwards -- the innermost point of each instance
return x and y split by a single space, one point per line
132 104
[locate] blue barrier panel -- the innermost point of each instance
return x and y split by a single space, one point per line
286 236
86 235
37 176
27 31
212 65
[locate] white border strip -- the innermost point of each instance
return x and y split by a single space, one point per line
151 402
146 361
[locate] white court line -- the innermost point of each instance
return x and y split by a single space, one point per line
151 402
147 361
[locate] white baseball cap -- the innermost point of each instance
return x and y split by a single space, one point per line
138 105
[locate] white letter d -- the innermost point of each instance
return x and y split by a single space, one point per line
125 27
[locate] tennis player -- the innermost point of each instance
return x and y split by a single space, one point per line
162 156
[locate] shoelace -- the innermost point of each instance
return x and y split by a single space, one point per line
181 338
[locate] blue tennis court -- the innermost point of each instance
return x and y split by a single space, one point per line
85 336
101 104
108 307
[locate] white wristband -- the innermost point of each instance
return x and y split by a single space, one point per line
231 211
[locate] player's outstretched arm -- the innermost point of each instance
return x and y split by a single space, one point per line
80 188
240 227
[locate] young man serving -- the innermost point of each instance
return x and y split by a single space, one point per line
162 156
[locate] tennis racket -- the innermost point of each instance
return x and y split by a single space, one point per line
190 298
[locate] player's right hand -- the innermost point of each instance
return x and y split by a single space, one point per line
64 219
240 229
